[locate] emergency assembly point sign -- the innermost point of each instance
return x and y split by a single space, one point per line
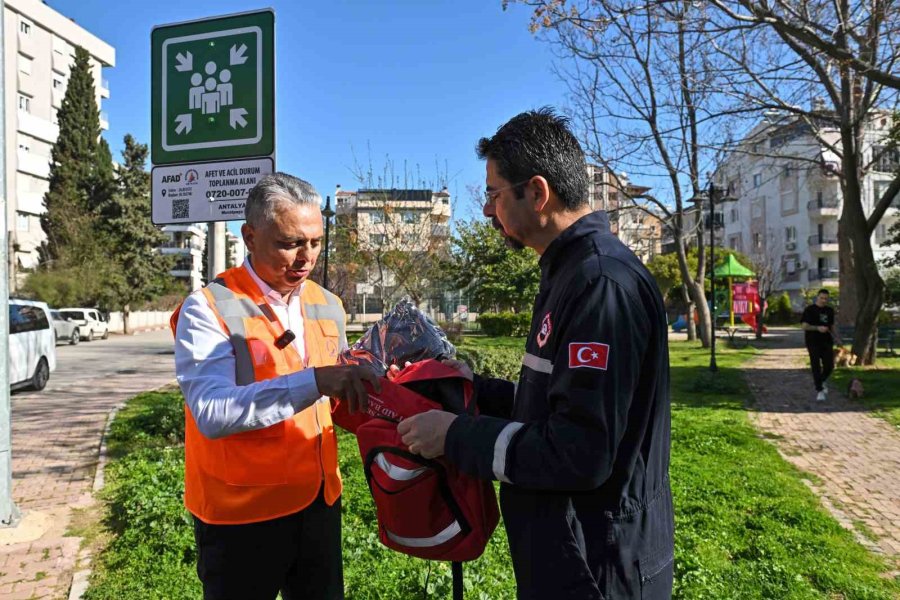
213 89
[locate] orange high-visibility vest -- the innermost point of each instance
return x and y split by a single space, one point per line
275 471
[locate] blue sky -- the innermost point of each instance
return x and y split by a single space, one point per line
413 80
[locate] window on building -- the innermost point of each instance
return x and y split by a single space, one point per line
408 240
22 221
734 215
881 233
410 217
880 190
58 82
377 239
758 208
24 103
790 234
24 27
885 160
757 180
757 241
786 171
377 216
25 64
54 116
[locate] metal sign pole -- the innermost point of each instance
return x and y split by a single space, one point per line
9 514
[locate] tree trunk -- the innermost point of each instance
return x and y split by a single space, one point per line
698 294
691 325
862 288
759 321
126 313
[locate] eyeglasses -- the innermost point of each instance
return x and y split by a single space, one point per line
490 195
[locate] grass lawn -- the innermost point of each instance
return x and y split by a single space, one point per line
881 383
747 527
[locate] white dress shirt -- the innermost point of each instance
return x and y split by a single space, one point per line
205 369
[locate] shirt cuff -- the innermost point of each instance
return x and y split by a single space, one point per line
302 389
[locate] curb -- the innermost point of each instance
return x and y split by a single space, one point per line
81 577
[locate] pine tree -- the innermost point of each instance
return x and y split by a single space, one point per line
142 273
74 167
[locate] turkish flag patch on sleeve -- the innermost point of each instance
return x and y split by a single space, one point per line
592 355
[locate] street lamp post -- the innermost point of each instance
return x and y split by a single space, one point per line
327 213
713 193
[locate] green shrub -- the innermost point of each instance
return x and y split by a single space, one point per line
781 312
493 362
505 324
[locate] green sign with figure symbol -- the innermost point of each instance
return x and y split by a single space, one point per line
213 89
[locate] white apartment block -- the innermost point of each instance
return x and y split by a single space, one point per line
235 249
407 220
789 199
186 242
38 51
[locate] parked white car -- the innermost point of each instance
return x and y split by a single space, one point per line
91 324
66 329
32 348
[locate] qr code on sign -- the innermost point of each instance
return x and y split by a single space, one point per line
181 209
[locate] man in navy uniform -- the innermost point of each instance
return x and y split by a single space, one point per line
581 443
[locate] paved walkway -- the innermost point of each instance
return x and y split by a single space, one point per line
55 446
855 457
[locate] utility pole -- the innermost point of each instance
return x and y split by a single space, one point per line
9 514
215 246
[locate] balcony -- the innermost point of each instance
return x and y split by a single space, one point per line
37 127
33 164
104 120
27 85
104 88
823 243
823 208
823 277
440 231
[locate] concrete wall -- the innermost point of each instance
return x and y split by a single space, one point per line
141 320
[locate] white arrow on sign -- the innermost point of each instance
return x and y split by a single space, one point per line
185 61
237 118
237 54
184 123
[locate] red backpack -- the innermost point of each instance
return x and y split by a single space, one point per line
426 507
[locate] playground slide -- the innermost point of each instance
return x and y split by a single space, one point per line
750 319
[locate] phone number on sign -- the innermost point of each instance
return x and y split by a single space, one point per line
234 193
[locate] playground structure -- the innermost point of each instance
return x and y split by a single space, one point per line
743 298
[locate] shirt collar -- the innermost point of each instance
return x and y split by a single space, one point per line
594 222
266 289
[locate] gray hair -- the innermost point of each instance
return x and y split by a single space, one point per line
275 189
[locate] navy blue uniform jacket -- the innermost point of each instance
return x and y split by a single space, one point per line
581 443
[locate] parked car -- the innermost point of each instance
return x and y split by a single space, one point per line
91 324
32 347
65 327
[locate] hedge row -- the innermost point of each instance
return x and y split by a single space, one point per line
505 324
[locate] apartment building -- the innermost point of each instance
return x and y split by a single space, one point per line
638 226
235 250
405 220
789 198
38 51
186 243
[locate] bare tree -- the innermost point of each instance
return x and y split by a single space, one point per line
769 266
646 101
399 236
844 54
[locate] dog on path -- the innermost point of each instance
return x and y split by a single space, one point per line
855 389
843 357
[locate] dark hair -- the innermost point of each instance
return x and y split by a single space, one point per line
539 142
823 291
